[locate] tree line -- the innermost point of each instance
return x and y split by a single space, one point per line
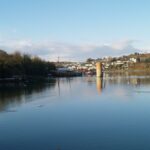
23 65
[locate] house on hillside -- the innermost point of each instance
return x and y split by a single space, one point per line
134 60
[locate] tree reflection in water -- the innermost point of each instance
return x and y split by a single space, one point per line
12 94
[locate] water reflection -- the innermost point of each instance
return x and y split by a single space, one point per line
64 83
12 95
124 82
17 94
129 80
99 84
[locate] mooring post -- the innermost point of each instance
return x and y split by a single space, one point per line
99 72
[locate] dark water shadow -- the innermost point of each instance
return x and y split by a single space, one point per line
12 94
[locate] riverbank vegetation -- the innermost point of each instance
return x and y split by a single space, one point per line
23 65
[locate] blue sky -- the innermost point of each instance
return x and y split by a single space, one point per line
75 29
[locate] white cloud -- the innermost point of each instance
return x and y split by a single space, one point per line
122 44
51 50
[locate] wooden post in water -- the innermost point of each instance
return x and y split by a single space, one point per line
99 70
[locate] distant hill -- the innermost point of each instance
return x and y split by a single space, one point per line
2 52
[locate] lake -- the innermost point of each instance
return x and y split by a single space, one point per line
82 113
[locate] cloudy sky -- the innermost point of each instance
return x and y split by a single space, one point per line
75 29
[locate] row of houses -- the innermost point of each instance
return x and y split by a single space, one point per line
89 67
119 63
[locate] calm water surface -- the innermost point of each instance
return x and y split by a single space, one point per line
82 113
